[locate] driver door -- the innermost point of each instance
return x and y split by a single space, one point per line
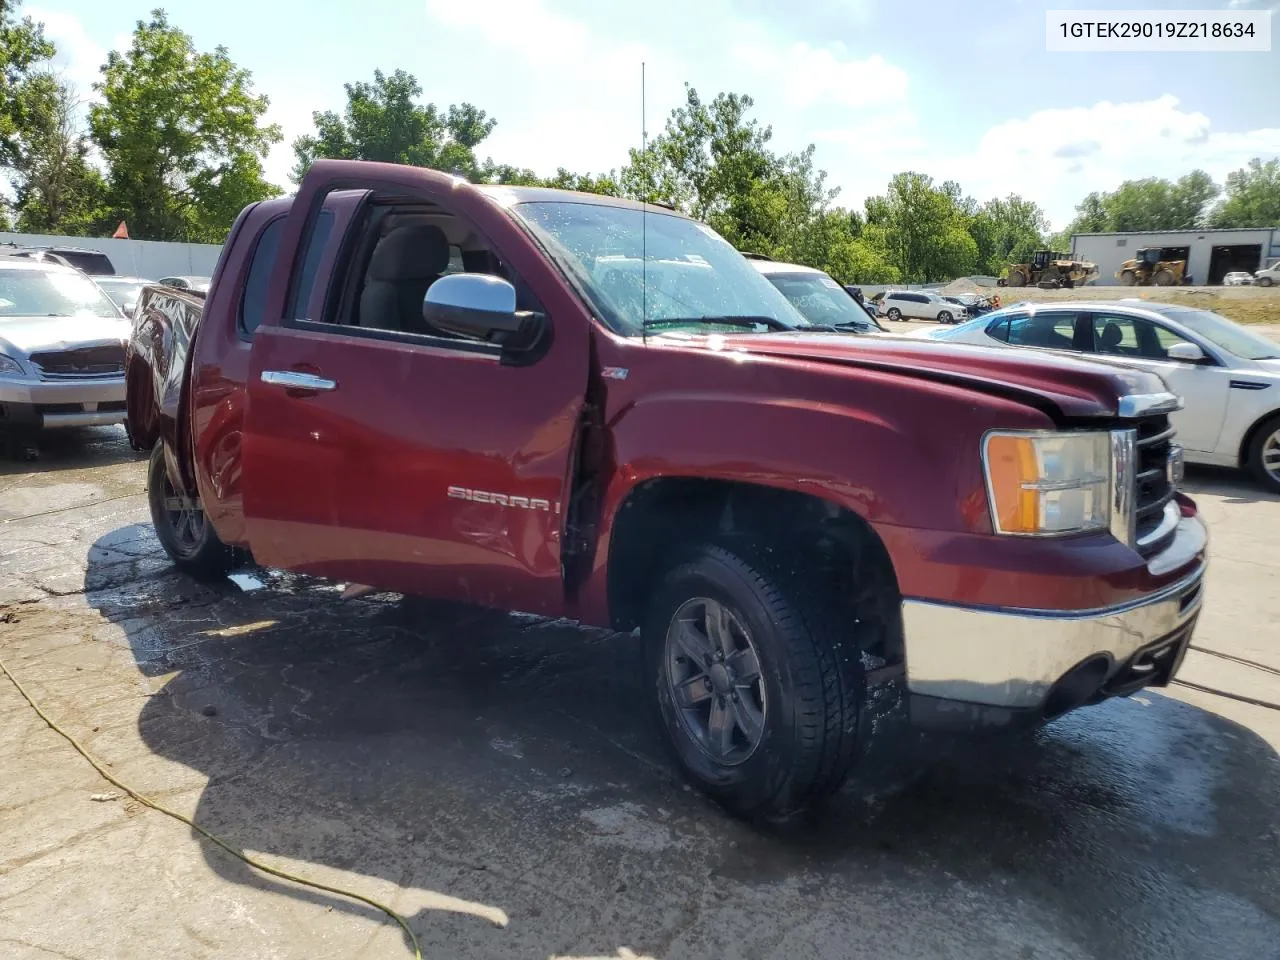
380 454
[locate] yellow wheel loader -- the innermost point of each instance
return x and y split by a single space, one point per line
1050 270
1149 267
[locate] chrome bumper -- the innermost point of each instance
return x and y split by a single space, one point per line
1013 658
75 402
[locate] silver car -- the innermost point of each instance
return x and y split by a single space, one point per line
62 346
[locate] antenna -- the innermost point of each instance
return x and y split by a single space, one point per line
644 219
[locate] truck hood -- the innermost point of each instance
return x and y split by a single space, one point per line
1059 384
33 334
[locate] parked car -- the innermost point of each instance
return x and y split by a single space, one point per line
1228 376
1268 276
93 262
578 406
62 346
819 298
198 285
856 292
918 305
123 291
1237 278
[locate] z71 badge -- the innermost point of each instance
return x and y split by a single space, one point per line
500 499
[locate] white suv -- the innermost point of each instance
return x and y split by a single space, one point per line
918 305
1268 276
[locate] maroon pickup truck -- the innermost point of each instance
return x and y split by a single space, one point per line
577 406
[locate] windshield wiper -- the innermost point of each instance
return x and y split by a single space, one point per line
727 321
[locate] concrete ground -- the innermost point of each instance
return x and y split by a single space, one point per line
495 778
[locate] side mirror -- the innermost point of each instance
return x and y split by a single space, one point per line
1186 353
479 306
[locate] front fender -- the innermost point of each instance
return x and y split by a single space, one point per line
896 452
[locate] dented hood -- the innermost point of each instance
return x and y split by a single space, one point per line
1071 386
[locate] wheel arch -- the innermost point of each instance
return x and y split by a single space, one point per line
660 515
1242 455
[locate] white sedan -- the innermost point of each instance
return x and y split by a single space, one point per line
1227 375
1237 278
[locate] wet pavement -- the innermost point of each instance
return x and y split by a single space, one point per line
497 778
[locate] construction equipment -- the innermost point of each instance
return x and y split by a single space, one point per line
1050 270
1149 267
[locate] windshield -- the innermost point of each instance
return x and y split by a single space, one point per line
123 292
687 272
51 293
1224 333
821 300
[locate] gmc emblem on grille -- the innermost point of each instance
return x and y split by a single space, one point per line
1175 467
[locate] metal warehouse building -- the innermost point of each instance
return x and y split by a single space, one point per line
1210 254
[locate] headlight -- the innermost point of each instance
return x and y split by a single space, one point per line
10 365
1044 484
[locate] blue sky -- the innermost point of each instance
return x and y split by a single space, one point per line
961 91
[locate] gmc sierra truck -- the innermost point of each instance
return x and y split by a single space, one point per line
590 408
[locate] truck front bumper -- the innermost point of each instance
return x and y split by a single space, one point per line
40 404
970 668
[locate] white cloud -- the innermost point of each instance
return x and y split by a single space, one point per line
80 57
815 76
1053 156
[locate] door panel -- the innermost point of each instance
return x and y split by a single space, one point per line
429 467
1204 389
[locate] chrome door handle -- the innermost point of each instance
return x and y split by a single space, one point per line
297 381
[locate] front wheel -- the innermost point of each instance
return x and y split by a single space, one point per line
182 527
1265 281
944 317
1165 278
894 313
1264 455
758 694
1129 278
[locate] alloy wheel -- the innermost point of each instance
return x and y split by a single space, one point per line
713 677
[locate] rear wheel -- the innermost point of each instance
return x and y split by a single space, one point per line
1165 278
1264 454
758 693
182 527
894 313
1129 278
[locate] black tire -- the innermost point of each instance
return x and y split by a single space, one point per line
1258 449
1265 281
1017 278
186 534
1129 278
1165 278
810 687
945 317
894 313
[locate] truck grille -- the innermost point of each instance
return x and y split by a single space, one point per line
1154 487
84 363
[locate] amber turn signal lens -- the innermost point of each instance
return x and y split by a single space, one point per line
1048 483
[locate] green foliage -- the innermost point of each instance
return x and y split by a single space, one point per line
181 135
384 122
1148 205
58 190
1006 231
1252 196
23 51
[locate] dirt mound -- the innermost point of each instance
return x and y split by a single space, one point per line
961 286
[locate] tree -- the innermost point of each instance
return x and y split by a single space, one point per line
181 134
383 121
922 229
1007 231
1252 196
23 48
1146 205
58 190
